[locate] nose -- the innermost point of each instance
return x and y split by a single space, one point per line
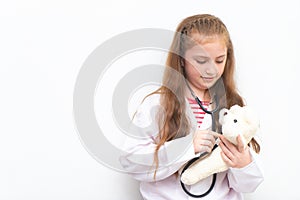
211 69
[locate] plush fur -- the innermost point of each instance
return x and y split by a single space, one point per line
237 120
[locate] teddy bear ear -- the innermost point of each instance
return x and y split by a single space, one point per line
251 116
235 109
222 114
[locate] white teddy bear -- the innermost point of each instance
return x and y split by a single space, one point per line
237 120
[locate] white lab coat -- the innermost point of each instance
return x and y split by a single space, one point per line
138 161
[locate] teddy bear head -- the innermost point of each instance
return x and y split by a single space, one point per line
238 120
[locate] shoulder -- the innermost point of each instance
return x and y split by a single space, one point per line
145 111
149 102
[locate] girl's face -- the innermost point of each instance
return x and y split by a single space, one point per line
205 62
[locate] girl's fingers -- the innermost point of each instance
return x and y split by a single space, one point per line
215 134
240 144
205 149
226 159
208 136
229 145
204 140
226 151
207 144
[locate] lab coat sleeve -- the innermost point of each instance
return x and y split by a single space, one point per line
137 158
248 178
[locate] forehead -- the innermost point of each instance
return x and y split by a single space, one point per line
214 44
203 38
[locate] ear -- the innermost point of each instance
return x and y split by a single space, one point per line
251 116
235 109
222 114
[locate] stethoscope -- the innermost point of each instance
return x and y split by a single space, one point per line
213 128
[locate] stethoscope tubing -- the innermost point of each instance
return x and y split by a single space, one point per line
190 162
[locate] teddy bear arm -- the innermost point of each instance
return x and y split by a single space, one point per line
204 168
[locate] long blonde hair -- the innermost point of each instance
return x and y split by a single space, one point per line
174 122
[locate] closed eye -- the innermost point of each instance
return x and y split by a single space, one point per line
219 61
201 61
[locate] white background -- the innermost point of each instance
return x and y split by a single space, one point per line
43 45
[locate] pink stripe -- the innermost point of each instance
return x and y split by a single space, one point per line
193 101
199 117
199 112
197 107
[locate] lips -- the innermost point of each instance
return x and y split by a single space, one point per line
208 78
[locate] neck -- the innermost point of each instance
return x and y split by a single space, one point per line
203 95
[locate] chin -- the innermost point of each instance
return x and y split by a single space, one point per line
206 86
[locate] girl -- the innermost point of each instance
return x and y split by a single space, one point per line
174 129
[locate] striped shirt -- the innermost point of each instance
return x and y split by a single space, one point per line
198 112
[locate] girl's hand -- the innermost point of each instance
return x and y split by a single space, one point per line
235 156
203 141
